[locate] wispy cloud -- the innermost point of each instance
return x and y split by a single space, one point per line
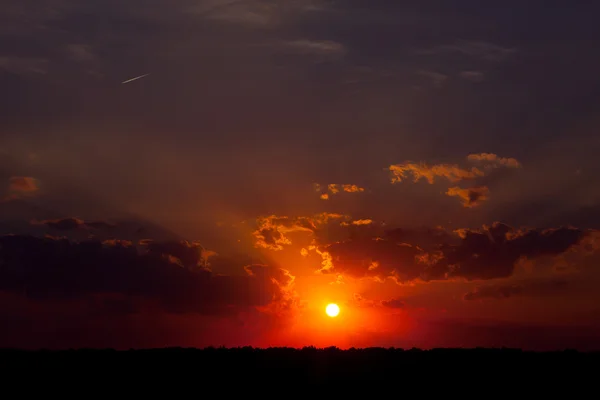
318 47
23 65
452 172
472 196
419 171
478 49
258 13
80 52
492 160
473 76
335 188
436 78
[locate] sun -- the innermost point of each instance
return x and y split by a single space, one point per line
332 310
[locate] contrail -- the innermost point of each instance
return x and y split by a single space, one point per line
136 78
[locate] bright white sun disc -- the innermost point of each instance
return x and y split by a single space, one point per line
332 310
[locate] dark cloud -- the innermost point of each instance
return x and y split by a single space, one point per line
426 238
190 255
69 224
474 255
471 197
393 303
527 288
167 275
359 300
484 50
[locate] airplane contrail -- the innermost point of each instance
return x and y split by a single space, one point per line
136 78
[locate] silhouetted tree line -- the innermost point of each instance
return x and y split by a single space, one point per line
309 365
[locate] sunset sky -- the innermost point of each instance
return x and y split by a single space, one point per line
431 167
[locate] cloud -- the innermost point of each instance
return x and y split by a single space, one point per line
436 78
393 303
451 172
471 197
489 253
476 49
165 275
318 47
526 288
69 224
23 65
358 222
272 231
492 160
473 76
190 255
117 242
352 189
425 238
257 13
359 300
22 186
335 188
80 52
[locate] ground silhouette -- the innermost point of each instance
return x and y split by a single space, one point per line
307 366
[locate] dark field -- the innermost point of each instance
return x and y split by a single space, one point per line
308 366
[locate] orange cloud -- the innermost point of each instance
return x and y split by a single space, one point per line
272 231
358 222
452 172
352 189
335 188
471 197
117 243
22 186
493 160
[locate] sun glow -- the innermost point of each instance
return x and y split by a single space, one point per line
332 310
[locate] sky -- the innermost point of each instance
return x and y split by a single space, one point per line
429 166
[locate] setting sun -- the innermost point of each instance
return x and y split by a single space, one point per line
332 310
